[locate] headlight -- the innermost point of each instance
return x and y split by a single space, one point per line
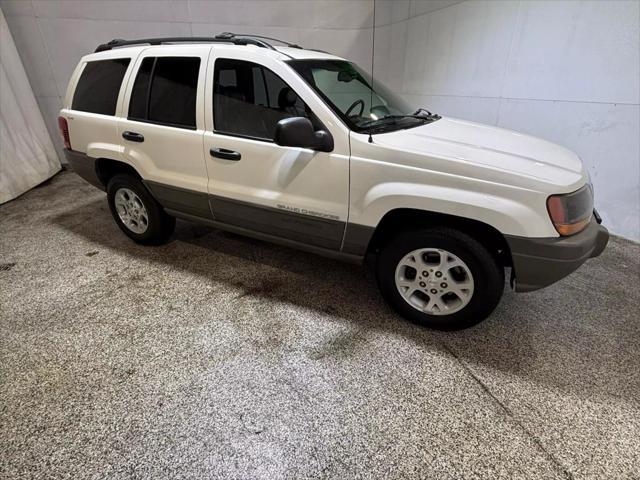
571 212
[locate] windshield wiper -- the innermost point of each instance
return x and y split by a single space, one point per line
393 118
387 119
427 112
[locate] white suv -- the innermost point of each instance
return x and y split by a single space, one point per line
300 147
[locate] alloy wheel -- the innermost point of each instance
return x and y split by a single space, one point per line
131 210
434 281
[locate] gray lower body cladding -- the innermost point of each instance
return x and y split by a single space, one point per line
180 199
539 262
356 239
84 166
316 231
305 229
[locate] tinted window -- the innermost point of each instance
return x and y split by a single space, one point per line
250 100
99 85
170 99
138 102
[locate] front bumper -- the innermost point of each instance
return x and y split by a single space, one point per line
539 262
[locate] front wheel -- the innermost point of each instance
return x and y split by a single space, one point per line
440 278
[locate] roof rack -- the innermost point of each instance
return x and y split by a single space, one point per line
249 35
226 37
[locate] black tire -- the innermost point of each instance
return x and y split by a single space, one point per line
160 225
488 276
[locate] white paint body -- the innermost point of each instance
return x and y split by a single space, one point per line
495 176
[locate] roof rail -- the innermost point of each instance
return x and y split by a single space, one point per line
222 38
249 35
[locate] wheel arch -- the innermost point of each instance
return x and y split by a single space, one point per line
106 168
405 219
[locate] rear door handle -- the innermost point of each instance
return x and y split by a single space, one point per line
226 154
133 136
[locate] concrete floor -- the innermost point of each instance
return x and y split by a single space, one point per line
221 356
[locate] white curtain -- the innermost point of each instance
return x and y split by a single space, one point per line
27 155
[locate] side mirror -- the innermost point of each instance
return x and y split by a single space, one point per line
298 132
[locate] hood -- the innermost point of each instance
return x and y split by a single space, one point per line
492 147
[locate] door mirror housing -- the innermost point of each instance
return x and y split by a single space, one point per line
298 132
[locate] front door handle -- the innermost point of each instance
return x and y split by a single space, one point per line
133 136
226 154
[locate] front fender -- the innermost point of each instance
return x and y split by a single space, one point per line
512 216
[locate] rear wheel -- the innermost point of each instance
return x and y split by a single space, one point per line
136 212
440 277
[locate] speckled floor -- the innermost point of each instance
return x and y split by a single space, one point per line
220 356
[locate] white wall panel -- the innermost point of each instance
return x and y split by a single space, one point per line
580 51
478 48
352 44
327 14
389 60
17 8
415 59
461 50
396 59
50 107
251 12
28 39
382 54
391 11
146 11
435 53
337 14
420 7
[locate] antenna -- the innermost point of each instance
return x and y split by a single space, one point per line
373 50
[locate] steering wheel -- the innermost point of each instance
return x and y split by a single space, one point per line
354 105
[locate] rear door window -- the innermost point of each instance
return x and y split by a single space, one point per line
165 91
138 102
99 85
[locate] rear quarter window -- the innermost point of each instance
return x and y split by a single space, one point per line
99 85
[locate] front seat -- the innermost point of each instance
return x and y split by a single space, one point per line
287 99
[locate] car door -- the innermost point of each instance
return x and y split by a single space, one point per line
292 193
162 126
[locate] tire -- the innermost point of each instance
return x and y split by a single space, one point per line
149 224
465 292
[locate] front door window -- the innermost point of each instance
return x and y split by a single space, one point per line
249 100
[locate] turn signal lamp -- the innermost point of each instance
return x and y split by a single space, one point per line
571 212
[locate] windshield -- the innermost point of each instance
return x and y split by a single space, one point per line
349 92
